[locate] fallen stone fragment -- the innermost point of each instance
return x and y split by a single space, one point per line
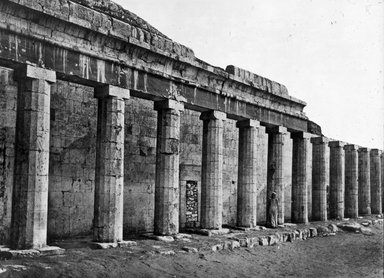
263 241
167 252
14 254
272 240
366 231
333 228
227 245
189 249
51 251
313 232
182 236
350 227
125 244
235 244
103 245
365 224
322 230
289 225
217 247
243 242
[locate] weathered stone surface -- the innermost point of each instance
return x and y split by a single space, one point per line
263 241
247 174
211 167
350 227
364 182
103 245
30 192
51 251
320 177
189 249
351 181
126 243
333 228
366 231
375 180
276 163
313 232
337 179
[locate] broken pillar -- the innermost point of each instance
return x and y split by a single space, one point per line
364 182
336 179
109 178
167 167
351 182
320 177
375 179
30 189
300 158
212 170
247 173
277 137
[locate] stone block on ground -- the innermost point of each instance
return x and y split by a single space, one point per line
182 236
366 231
217 247
243 242
15 254
350 227
313 232
126 243
189 249
166 252
235 244
322 230
103 245
333 228
272 240
263 241
51 251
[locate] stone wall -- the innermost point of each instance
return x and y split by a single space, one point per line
8 99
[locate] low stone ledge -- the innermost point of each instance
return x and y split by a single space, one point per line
108 245
8 254
207 232
159 238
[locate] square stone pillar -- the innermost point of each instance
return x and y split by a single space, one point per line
336 179
30 192
277 137
364 182
351 182
375 177
109 178
320 177
167 167
301 145
212 170
247 173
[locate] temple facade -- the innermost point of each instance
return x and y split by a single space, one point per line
108 127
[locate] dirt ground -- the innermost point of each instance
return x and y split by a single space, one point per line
346 254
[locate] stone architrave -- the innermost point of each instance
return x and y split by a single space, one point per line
167 167
109 178
277 137
320 177
351 182
212 170
336 179
247 173
364 182
301 146
30 191
375 178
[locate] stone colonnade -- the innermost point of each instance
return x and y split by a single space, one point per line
353 175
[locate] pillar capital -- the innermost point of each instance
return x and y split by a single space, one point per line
168 104
107 90
300 135
34 72
277 130
248 123
319 140
213 115
336 144
363 150
375 152
351 147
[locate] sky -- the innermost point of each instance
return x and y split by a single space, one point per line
329 53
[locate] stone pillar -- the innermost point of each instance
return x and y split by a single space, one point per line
320 177
382 181
375 181
212 170
275 175
247 173
30 192
364 182
351 182
109 178
301 141
167 167
336 179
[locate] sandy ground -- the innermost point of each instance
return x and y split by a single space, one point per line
344 255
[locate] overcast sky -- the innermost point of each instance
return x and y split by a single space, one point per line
329 53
